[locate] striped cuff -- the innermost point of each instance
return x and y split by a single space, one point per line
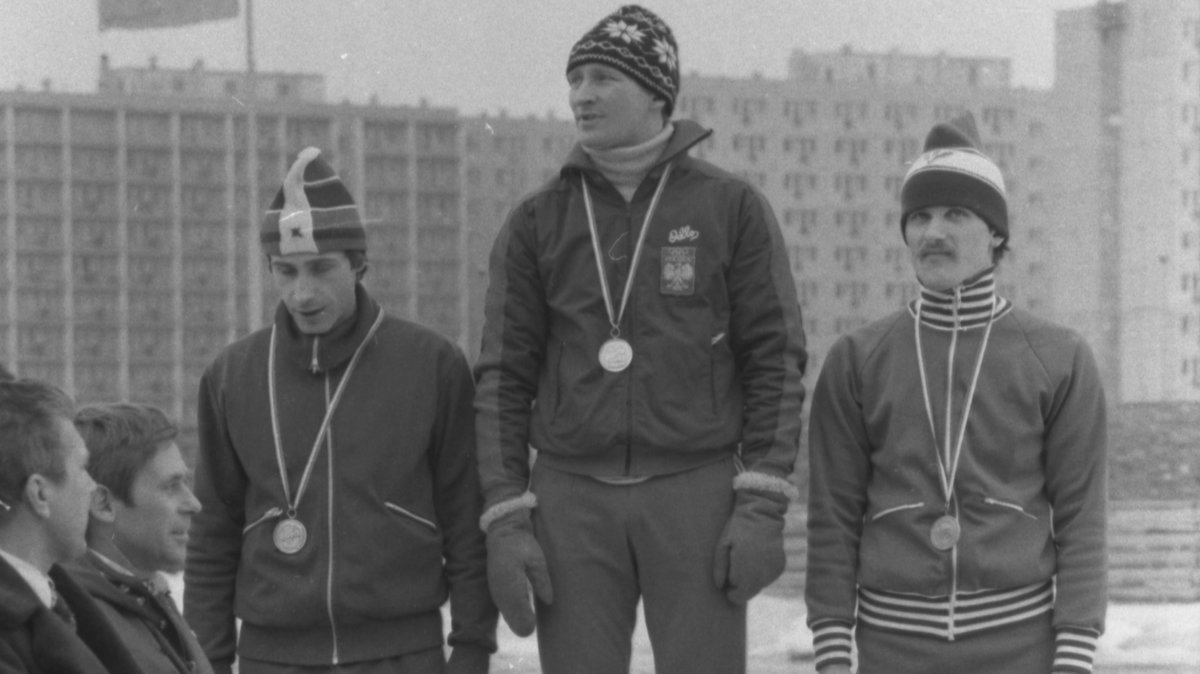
1074 650
767 483
831 643
526 501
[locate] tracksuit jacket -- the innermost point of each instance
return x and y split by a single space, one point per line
712 318
391 510
1029 492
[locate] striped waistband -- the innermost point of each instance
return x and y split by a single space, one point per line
949 617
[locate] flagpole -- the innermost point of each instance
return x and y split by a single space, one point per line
253 257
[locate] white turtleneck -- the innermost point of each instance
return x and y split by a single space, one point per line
625 167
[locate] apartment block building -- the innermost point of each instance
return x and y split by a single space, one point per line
1125 144
129 224
829 146
129 228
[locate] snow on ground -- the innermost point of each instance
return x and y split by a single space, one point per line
1157 637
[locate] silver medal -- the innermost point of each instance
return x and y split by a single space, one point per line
290 536
945 532
616 354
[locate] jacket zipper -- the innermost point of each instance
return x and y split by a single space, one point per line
329 463
315 365
953 590
629 393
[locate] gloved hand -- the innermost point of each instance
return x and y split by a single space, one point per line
467 660
515 563
750 552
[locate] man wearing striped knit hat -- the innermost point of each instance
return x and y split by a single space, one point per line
957 500
336 468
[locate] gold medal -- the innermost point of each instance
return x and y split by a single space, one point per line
615 355
944 532
290 536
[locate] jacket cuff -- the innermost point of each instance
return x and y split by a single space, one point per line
831 643
768 483
1074 650
526 501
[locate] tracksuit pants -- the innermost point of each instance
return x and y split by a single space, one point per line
607 546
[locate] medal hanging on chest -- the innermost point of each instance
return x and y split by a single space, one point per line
290 535
946 530
616 353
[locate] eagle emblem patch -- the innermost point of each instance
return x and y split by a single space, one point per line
678 271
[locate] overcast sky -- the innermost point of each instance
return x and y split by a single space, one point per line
488 55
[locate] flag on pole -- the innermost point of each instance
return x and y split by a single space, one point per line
141 14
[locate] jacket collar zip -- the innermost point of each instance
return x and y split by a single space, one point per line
967 306
323 353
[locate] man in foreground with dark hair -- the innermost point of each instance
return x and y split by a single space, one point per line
141 511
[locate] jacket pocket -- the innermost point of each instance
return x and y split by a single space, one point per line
1009 505
404 512
271 514
895 509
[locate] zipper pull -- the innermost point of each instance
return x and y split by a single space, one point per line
315 364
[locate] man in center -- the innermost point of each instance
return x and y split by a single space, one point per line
643 340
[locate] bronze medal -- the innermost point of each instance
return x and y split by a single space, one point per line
945 532
615 355
290 536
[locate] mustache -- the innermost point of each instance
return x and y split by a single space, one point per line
935 249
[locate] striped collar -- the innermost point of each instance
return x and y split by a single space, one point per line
966 306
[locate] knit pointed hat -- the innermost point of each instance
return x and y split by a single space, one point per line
313 211
953 172
638 43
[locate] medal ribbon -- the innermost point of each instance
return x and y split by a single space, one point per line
614 319
948 465
316 449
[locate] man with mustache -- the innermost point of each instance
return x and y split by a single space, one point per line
642 335
957 499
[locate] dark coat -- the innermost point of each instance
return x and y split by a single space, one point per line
33 640
144 617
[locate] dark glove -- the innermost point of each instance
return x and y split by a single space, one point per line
515 562
467 660
750 552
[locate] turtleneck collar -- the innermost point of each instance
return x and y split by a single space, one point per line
321 353
966 306
625 167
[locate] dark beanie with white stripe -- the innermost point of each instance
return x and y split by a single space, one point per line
951 171
313 211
